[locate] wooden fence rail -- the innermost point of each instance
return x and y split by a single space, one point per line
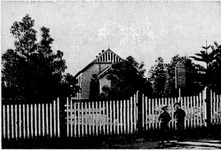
30 120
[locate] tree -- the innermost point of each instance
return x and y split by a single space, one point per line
162 77
215 68
194 79
94 87
68 86
213 65
170 81
158 77
31 71
127 77
206 57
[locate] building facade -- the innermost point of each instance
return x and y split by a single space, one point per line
97 67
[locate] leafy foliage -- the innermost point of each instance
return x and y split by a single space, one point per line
158 77
126 78
162 77
194 79
31 71
215 68
68 86
94 87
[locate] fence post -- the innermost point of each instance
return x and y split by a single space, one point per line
206 96
139 96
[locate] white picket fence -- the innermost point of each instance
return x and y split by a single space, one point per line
121 116
101 117
30 120
84 118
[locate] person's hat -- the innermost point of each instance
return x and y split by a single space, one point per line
177 103
162 108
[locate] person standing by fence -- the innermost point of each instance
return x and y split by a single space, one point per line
179 116
164 119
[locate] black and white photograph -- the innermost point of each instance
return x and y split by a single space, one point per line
114 74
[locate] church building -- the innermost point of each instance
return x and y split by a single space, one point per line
97 67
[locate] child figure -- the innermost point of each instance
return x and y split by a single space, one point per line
179 116
164 119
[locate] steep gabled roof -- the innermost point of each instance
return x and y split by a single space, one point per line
107 56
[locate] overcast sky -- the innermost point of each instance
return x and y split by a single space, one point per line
144 30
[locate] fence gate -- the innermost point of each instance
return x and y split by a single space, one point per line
86 118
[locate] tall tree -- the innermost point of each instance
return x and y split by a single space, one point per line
204 55
31 71
213 65
158 77
127 77
207 57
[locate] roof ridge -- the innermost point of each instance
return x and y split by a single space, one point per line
96 60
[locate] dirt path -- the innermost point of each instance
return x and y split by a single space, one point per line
200 144
205 144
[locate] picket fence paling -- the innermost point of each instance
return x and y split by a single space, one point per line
71 111
18 123
24 129
119 117
218 108
187 111
31 120
99 118
82 119
43 120
3 121
135 112
118 122
105 124
124 116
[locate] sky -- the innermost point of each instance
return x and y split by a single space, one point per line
144 30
